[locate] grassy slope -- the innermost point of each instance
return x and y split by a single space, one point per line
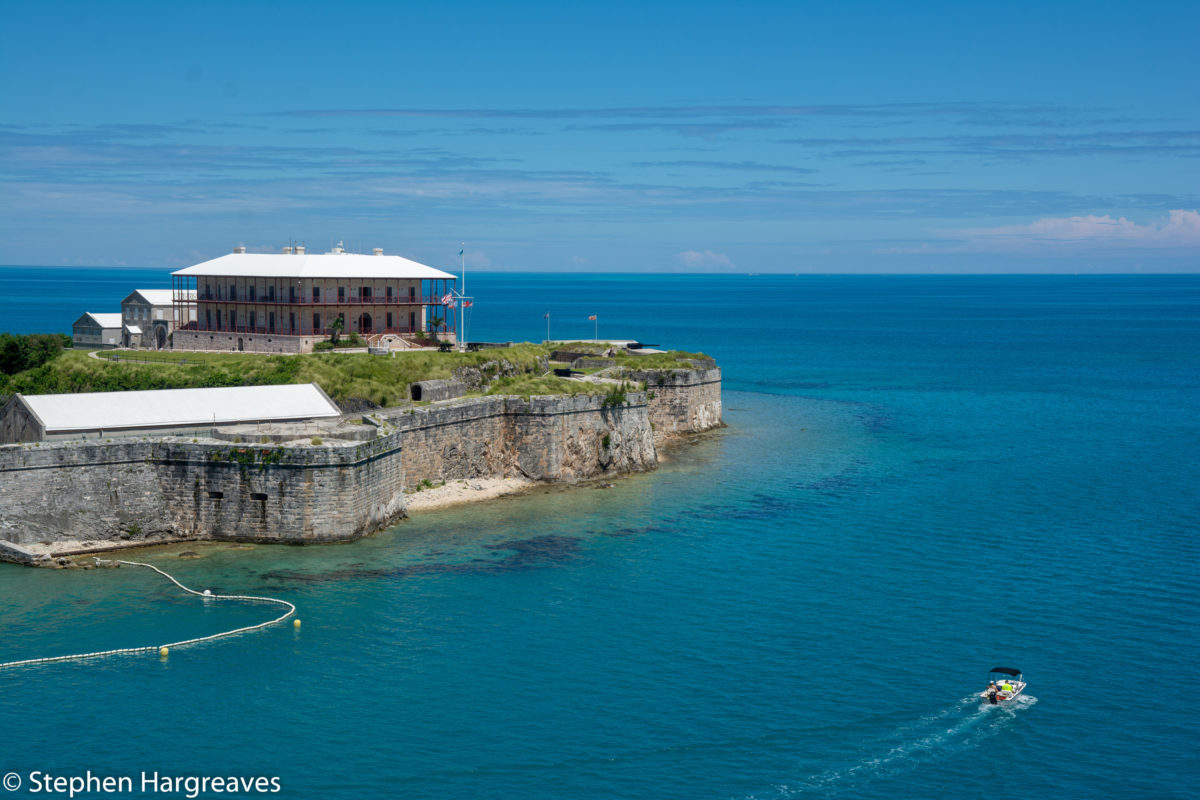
344 376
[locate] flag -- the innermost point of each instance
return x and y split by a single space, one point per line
450 306
460 252
546 315
592 318
466 303
448 300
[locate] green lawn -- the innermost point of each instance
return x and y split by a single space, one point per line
357 377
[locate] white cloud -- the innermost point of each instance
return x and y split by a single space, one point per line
707 260
1180 229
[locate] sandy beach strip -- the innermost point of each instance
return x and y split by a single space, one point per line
457 492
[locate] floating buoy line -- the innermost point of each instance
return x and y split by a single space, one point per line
164 649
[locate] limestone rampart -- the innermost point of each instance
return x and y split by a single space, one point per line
682 400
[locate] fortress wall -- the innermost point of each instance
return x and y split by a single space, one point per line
684 400
155 489
144 491
543 438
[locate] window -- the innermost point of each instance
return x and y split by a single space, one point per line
365 293
341 294
316 323
292 322
412 293
208 318
271 293
251 293
252 319
316 294
232 292
389 320
389 294
218 319
291 294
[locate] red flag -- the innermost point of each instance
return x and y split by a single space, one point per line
546 315
592 317
448 300
466 303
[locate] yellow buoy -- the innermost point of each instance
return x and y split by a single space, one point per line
296 623
162 651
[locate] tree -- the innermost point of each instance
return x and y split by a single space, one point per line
336 329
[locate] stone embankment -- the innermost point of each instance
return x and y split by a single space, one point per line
239 485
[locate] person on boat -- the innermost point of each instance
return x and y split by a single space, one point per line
1006 687
992 693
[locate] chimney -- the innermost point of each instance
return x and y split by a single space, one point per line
299 249
287 251
241 248
378 251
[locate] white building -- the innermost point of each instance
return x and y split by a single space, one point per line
287 302
97 330
34 418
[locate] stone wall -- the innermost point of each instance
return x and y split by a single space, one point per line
145 490
251 342
543 438
159 489
17 424
683 401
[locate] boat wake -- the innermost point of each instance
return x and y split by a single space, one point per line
965 725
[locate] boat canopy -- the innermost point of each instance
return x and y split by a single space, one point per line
1007 671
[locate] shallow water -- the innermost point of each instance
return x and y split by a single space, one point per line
923 478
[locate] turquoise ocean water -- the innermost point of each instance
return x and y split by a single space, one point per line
922 478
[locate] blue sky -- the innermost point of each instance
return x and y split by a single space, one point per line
748 137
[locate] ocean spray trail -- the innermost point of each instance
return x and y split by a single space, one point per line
963 725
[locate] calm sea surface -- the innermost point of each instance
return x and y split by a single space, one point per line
922 478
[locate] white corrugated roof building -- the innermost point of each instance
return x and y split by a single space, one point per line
158 297
36 417
322 265
104 320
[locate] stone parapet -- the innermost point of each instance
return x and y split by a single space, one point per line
682 400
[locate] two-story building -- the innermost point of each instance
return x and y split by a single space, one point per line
148 318
287 302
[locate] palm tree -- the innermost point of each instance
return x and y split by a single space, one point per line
336 329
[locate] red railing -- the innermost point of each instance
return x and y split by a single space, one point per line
376 300
302 331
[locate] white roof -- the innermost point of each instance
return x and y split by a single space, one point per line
134 329
159 297
163 408
103 320
323 265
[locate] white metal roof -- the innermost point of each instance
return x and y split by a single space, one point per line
134 329
317 265
157 297
103 320
164 408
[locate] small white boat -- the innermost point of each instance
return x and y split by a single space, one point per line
1004 684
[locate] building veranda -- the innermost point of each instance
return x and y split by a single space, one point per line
287 302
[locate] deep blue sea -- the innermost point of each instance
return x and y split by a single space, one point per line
922 478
